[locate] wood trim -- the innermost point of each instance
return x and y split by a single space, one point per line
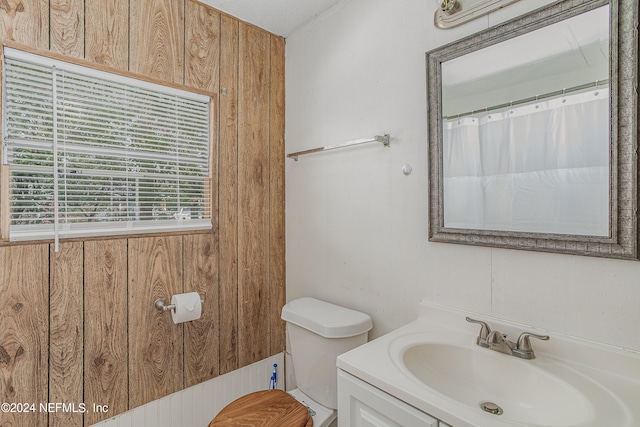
105 68
106 238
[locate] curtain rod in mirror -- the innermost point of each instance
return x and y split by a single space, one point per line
596 85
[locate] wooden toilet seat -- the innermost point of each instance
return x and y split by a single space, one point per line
267 408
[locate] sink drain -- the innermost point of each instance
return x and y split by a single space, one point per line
491 408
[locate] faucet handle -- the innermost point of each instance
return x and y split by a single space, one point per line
485 330
523 340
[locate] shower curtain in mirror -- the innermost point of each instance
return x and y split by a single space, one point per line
541 167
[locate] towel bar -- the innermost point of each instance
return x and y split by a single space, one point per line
384 139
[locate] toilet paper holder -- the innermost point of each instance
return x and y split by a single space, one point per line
161 304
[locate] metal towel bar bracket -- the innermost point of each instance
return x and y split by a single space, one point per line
384 139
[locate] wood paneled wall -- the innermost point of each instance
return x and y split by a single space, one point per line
78 325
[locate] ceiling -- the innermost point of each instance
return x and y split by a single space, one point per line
280 17
570 36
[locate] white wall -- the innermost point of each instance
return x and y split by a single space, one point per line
196 406
357 227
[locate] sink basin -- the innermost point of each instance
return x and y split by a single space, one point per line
434 365
524 390
543 392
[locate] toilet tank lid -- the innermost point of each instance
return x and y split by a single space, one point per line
326 319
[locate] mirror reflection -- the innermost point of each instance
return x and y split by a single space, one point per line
525 132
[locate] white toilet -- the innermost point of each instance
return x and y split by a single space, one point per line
318 333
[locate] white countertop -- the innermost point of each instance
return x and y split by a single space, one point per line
608 376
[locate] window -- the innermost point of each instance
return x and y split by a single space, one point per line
93 153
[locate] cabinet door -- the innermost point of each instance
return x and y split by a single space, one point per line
362 405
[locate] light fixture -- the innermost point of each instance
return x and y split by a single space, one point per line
451 13
449 7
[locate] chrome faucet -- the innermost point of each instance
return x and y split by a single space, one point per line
497 341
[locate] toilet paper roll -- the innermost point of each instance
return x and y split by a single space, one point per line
188 307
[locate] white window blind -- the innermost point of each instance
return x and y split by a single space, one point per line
93 153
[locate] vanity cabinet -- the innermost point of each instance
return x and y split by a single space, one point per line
363 405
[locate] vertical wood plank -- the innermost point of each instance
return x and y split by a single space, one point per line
201 336
277 273
253 195
67 27
202 47
155 342
228 194
105 299
107 32
66 331
26 22
156 39
24 348
200 252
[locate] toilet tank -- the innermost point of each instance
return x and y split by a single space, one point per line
318 333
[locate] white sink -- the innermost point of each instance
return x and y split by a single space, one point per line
525 391
435 365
